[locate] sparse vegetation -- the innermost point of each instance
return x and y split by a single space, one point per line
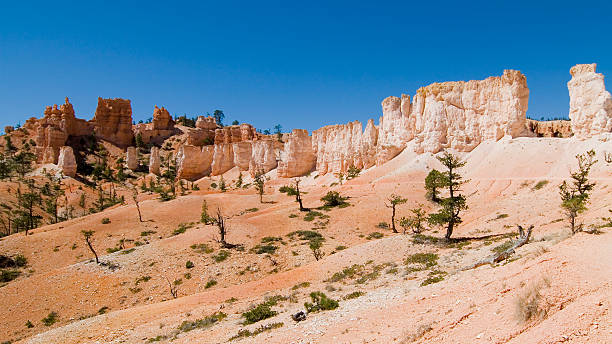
320 302
243 333
530 304
211 283
375 235
334 199
353 295
105 221
574 198
221 256
204 323
51 319
539 185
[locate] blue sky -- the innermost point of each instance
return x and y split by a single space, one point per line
300 64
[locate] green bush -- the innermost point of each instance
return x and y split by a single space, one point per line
353 295
20 261
105 221
182 228
375 235
258 313
210 320
539 185
243 333
333 199
211 283
320 302
189 264
221 256
50 319
9 275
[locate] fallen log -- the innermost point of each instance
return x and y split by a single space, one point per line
523 238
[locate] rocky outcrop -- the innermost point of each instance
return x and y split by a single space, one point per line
558 128
113 121
131 158
204 132
590 103
338 147
297 157
154 161
263 157
235 133
67 162
193 162
53 130
206 123
461 115
161 128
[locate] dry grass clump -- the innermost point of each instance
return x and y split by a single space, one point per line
530 304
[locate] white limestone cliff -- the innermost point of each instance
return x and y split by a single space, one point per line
590 104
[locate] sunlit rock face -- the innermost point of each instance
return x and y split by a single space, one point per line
154 161
263 157
297 157
67 162
193 162
590 104
113 121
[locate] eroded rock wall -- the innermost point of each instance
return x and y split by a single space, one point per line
193 162
113 121
263 157
298 157
67 162
558 128
590 103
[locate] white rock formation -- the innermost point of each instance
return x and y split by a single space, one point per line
338 147
222 159
66 161
590 103
298 157
263 157
154 161
193 162
131 158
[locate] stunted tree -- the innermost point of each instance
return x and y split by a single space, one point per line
416 221
260 183
315 247
575 197
452 205
353 172
27 203
392 202
340 177
278 132
205 218
433 183
298 194
88 235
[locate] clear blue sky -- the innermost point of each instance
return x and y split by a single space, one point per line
301 64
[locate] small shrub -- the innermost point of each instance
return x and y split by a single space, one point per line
113 249
207 322
341 247
311 215
263 328
427 259
353 295
29 324
289 190
291 216
501 248
320 302
258 313
382 225
135 290
189 264
301 285
20 261
50 319
187 275
530 304
147 233
539 185
182 228
103 310
375 235
221 256
128 251
264 249
105 221
202 248
333 199
211 283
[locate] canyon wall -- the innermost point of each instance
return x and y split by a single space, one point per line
558 128
298 157
590 104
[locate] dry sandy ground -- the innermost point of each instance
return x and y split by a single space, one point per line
570 273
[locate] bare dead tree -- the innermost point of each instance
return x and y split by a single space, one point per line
298 194
220 222
135 198
174 287
523 238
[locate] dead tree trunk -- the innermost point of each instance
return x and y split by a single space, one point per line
220 222
523 238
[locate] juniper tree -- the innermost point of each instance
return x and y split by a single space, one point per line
392 202
260 183
452 205
433 183
575 197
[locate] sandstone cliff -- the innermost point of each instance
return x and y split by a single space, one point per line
67 162
193 162
298 157
263 157
161 128
590 103
113 121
